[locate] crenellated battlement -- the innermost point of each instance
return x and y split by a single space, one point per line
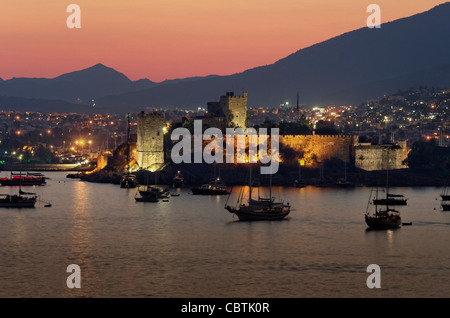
322 136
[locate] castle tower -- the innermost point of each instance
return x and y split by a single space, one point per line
150 141
235 109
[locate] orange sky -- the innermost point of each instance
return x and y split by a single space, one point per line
166 39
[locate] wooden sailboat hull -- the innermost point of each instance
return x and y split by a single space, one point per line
17 202
383 222
12 182
252 214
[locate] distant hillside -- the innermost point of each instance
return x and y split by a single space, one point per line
78 86
42 105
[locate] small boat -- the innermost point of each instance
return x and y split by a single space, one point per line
159 191
128 181
213 187
445 199
18 201
146 197
19 179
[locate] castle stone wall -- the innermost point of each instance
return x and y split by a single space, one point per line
314 149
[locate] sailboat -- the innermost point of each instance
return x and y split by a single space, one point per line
147 193
383 217
445 199
260 209
390 199
22 200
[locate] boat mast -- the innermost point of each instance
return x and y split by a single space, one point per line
270 186
128 143
250 184
387 183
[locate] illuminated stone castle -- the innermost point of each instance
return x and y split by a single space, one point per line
150 141
309 150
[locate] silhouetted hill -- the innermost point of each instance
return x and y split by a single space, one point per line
79 86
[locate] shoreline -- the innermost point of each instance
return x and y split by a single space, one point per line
232 175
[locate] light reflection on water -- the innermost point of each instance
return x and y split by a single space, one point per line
192 247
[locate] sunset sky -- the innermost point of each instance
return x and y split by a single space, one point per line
166 39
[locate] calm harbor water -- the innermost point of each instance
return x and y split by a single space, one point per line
192 247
